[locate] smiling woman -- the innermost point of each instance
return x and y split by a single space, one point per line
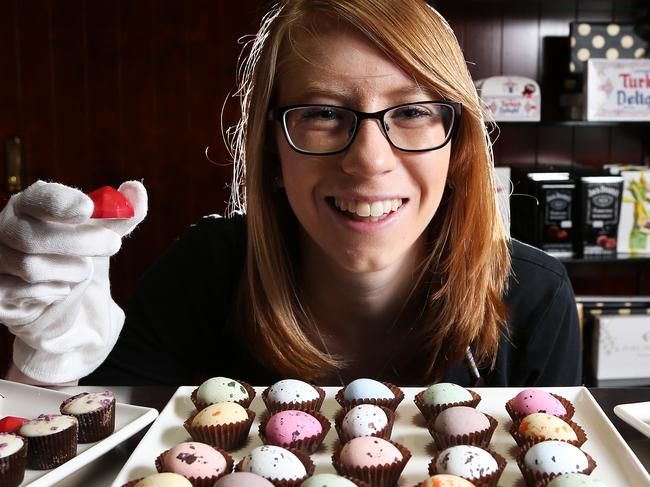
363 238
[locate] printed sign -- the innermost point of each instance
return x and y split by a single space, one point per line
618 89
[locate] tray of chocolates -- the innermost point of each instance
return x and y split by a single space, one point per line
377 434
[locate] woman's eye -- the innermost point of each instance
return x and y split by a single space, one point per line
320 114
412 111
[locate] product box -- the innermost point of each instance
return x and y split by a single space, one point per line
604 40
617 90
621 347
503 185
600 198
545 217
634 222
511 98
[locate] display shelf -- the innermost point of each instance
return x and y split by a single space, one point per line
574 123
607 259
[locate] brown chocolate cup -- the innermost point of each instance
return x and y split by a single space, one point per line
568 405
477 438
198 481
483 481
429 411
93 425
306 406
388 403
131 483
227 436
385 475
384 433
245 403
537 479
50 451
13 467
303 457
522 440
307 445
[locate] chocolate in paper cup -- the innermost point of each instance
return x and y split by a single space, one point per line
198 481
384 433
245 403
388 403
12 467
49 451
478 438
523 440
490 480
306 406
537 479
429 411
226 436
568 406
386 475
133 483
93 425
307 445
304 459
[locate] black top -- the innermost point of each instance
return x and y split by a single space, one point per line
174 331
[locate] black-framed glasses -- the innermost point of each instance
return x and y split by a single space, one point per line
329 129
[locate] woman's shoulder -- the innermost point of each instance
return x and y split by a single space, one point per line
526 258
226 230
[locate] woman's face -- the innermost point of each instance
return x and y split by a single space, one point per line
345 69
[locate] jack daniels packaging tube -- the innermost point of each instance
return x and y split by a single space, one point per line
601 206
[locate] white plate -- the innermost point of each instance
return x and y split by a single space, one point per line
28 402
617 465
636 415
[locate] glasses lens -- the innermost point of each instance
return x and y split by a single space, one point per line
420 126
319 129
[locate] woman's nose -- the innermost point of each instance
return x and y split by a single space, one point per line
370 153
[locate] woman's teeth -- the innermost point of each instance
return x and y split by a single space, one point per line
363 210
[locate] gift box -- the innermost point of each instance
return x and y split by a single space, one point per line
621 348
511 98
634 224
603 40
600 201
617 90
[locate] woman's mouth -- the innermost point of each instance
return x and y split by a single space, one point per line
367 211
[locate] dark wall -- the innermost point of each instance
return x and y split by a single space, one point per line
106 91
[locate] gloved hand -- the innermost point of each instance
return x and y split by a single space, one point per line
54 286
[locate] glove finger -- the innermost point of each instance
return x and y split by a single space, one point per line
135 192
33 268
31 236
53 202
15 290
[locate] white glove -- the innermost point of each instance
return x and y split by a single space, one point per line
54 288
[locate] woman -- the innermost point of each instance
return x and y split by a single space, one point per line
372 244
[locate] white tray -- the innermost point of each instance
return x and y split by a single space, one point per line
636 415
28 402
617 465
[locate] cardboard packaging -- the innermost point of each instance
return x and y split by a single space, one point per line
546 220
600 198
617 90
603 40
511 98
634 224
503 184
621 347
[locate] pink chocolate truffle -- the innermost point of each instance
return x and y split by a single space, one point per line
369 451
193 459
531 401
288 426
460 420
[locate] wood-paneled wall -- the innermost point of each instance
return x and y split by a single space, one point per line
106 91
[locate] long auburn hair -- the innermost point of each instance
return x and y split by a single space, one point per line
464 276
